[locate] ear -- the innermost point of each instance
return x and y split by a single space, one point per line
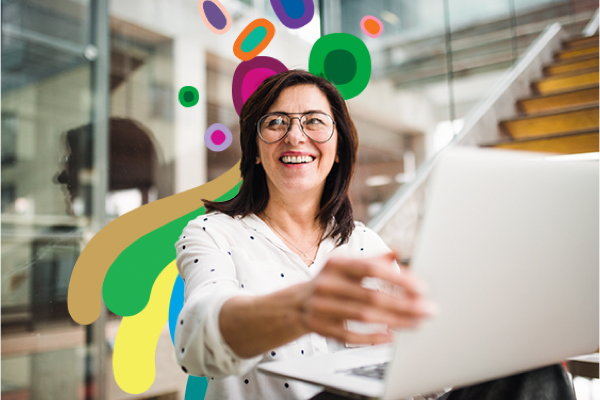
257 160
337 159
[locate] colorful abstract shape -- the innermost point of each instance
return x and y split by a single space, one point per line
128 282
85 286
215 16
254 39
175 305
218 137
196 386
294 14
135 345
344 60
371 26
249 75
188 96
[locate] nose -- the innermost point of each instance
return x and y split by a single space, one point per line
295 134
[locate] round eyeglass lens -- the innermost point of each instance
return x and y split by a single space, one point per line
317 126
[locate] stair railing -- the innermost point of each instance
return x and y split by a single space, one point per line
398 220
592 27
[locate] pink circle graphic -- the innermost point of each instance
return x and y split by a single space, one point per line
218 137
249 75
371 26
253 79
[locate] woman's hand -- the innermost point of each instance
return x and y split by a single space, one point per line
336 295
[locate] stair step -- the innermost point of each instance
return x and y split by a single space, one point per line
587 62
581 43
556 122
569 98
586 142
564 54
564 81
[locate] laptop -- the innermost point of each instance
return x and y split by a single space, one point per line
509 248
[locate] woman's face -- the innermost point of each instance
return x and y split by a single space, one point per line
301 178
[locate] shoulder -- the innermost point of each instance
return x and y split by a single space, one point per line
216 225
364 242
215 220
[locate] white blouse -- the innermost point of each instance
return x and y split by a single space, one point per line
220 257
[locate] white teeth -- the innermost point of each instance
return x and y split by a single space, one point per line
296 160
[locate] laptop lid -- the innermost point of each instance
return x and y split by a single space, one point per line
509 247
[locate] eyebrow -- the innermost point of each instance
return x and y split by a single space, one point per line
305 112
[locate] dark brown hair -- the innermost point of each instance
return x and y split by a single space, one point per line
253 196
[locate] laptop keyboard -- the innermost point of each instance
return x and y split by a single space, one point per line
375 371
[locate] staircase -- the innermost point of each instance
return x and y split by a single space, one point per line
546 102
561 115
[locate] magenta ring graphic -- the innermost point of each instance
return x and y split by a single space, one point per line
249 75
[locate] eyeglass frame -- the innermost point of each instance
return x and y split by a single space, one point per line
299 122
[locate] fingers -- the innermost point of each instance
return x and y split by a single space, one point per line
335 329
333 308
378 267
351 298
337 295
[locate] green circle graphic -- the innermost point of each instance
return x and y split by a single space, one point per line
340 66
188 96
344 60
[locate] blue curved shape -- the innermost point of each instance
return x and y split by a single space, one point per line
293 8
195 388
175 305
294 14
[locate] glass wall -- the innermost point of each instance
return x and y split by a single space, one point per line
46 195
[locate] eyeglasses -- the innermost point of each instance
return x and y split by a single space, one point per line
317 126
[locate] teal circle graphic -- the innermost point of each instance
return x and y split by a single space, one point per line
343 60
254 38
188 96
340 66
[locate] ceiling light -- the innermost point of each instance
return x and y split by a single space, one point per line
390 17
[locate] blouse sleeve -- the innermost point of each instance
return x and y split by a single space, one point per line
206 266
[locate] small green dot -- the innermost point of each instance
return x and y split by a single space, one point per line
340 66
188 96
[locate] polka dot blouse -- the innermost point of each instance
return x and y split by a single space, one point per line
220 257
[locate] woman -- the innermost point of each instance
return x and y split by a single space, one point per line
281 271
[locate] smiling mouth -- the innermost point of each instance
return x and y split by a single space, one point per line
296 160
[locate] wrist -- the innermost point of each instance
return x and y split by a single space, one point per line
297 296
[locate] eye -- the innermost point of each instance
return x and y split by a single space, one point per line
314 121
275 122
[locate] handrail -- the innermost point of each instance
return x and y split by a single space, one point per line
473 117
592 27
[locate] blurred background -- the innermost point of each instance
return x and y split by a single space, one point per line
92 128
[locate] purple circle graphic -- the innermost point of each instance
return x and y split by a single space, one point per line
218 137
287 20
249 75
214 15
